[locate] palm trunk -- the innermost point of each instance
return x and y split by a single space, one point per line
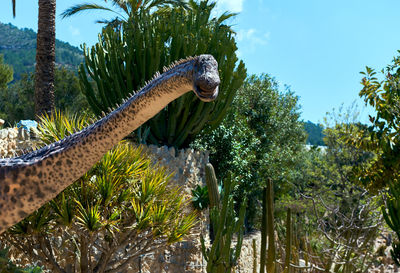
45 58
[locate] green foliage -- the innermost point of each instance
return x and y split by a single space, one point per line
260 138
123 203
200 198
314 134
6 73
16 101
382 138
19 49
221 258
124 59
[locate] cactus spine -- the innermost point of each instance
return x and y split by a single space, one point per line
221 257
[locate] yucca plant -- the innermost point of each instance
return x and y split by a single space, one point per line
122 208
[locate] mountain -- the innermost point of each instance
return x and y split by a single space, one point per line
19 49
315 134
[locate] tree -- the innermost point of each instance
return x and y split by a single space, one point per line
261 137
122 208
382 138
6 73
45 58
345 217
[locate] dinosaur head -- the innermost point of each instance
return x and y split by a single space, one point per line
206 78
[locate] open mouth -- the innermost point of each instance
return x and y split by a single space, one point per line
206 95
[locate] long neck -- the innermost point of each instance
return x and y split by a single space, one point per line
29 181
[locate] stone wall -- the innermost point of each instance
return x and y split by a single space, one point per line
185 256
14 141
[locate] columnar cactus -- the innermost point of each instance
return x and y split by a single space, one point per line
221 258
288 241
212 185
270 228
267 230
391 213
264 234
122 61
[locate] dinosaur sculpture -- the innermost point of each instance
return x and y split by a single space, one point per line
29 181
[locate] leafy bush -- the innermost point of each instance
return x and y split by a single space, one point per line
122 208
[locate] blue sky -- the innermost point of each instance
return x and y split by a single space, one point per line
317 47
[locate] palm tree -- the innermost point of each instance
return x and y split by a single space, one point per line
124 8
13 7
45 56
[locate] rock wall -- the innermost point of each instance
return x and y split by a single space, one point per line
185 256
15 141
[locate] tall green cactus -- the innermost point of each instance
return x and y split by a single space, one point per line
267 230
212 185
391 214
270 229
221 258
254 256
213 193
122 61
264 234
288 241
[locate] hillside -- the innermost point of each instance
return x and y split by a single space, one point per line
19 49
315 134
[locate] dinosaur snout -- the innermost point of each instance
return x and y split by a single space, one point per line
206 78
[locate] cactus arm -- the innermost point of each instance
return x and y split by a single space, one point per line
288 240
270 228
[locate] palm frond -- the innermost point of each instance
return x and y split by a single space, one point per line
87 7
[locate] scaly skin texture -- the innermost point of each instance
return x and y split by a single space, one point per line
29 181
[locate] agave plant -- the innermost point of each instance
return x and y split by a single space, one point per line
122 208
